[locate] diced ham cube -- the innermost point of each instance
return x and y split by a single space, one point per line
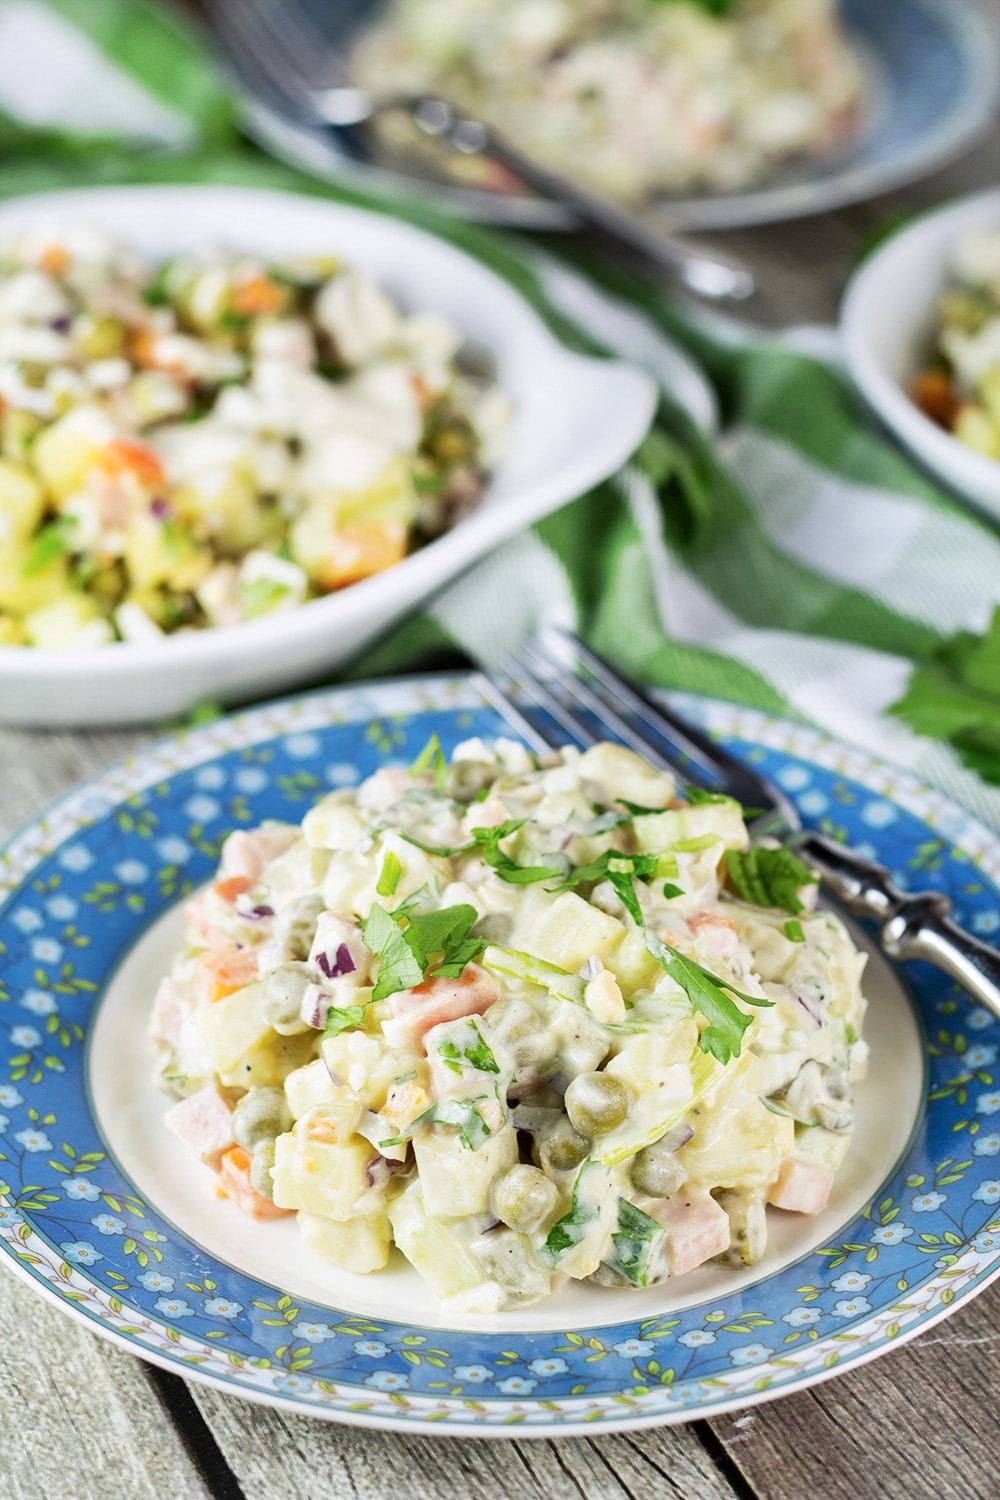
236 1184
697 1229
415 1011
246 852
384 788
801 1186
716 933
204 1122
173 1004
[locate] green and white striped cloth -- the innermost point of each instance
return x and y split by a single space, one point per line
797 562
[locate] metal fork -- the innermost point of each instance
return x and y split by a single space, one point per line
297 75
589 701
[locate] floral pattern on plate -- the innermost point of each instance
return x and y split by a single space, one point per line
82 884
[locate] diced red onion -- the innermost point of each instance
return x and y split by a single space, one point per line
677 1136
259 911
316 1003
342 964
815 1016
380 1169
493 1224
160 508
591 968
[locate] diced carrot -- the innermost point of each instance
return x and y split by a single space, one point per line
235 1183
232 886
222 971
415 1011
933 392
125 457
54 259
362 548
256 295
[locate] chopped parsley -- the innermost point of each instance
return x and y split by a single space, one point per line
475 1053
697 796
461 1113
769 877
956 697
51 543
486 842
571 1228
619 870
723 1036
433 944
342 1017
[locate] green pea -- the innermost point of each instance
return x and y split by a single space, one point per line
260 1169
524 1198
283 992
464 779
561 1147
516 1026
656 1171
260 1115
597 1102
295 924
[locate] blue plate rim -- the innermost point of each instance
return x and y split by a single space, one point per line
201 747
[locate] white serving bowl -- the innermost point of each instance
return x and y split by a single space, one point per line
887 324
575 422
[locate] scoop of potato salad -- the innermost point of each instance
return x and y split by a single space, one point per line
525 1019
216 438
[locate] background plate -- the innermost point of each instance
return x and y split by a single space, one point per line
98 1216
933 75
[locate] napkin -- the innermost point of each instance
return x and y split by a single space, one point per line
794 560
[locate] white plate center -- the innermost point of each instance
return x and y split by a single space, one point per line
130 1109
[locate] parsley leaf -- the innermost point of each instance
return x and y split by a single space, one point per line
723 1036
769 877
487 842
956 697
474 1052
408 953
400 967
340 1018
462 1113
619 870
697 796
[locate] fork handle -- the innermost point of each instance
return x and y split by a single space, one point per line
707 273
916 925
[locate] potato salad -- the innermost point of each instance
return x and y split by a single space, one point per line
526 1020
960 387
637 97
216 438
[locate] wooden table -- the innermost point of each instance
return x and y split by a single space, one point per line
80 1420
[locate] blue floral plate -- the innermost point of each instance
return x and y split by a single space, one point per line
103 1212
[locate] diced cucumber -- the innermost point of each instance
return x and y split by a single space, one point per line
747 1210
663 1088
433 1248
666 830
826 1146
637 1247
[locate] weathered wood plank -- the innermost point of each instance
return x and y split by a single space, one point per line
80 1420
922 1421
346 1463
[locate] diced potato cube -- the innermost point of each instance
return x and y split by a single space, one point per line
22 591
456 1179
619 772
323 1176
241 1046
667 829
68 623
21 502
360 1245
569 930
309 1086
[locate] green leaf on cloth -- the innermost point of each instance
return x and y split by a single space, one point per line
956 697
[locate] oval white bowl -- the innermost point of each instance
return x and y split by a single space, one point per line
576 421
886 328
